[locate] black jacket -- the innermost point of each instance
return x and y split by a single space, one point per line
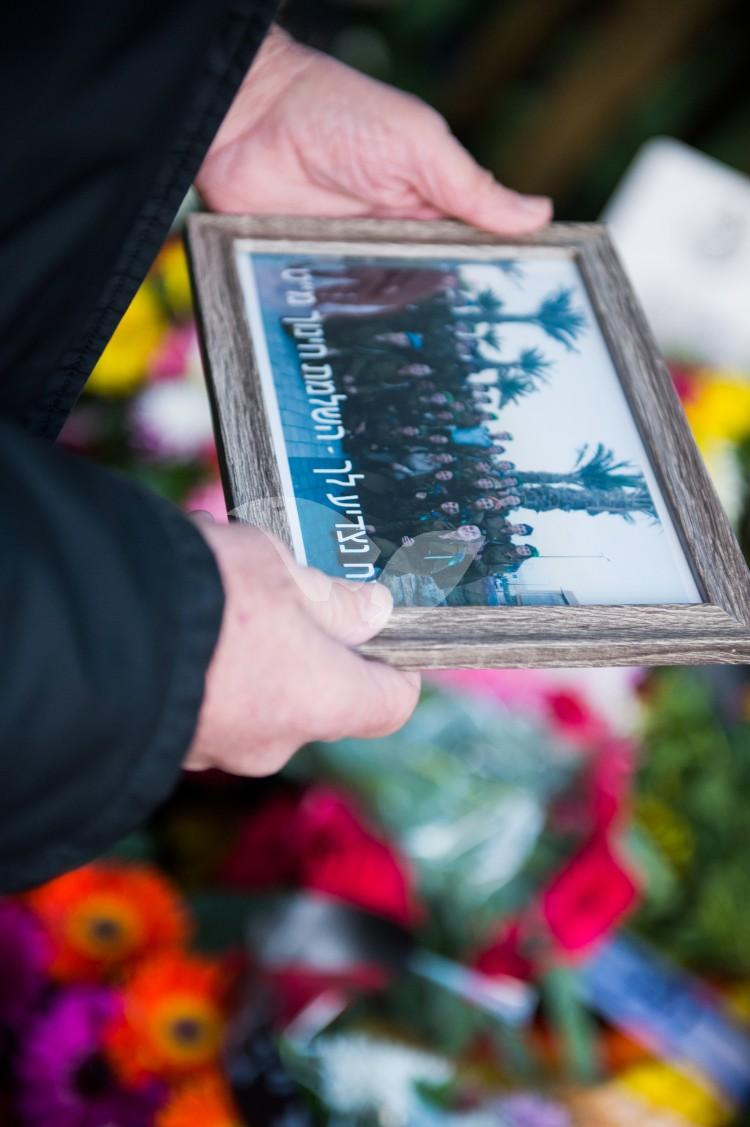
110 602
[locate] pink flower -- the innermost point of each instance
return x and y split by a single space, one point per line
612 770
518 688
588 897
209 499
176 354
63 1076
25 955
572 718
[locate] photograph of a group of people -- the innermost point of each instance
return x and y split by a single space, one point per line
500 463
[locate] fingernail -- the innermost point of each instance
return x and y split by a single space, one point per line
535 205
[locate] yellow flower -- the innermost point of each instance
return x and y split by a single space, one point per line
682 1092
719 409
124 363
171 271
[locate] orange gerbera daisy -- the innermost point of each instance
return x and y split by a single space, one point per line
103 917
206 1102
172 1019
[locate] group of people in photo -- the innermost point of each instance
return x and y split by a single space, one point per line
440 484
427 368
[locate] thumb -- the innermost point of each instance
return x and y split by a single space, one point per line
452 182
350 612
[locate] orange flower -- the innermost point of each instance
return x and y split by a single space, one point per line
206 1102
172 1019
103 917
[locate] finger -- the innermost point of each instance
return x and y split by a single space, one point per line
451 180
373 699
350 612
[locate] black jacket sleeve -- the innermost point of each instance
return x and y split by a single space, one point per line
110 604
110 601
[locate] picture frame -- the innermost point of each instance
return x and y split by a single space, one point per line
710 625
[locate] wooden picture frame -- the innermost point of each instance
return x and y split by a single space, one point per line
715 628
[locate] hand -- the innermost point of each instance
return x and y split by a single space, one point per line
283 672
307 135
407 541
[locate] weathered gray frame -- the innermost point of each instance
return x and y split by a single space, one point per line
717 630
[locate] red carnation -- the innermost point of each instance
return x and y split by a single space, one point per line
588 897
318 840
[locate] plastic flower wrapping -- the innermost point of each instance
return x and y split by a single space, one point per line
526 909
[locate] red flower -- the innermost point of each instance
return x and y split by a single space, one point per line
319 841
588 897
266 854
571 716
504 956
683 377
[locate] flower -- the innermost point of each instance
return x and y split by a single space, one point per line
504 955
63 1077
172 1021
24 960
266 854
170 272
206 1102
104 916
124 363
177 354
171 420
209 499
318 840
572 718
588 897
527 1109
719 408
365 1075
342 857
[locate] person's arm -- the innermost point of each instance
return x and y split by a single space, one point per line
111 605
119 661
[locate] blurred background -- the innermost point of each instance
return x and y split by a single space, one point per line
531 908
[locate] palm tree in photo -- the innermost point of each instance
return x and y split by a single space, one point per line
512 269
483 307
555 315
490 338
617 502
514 386
522 376
597 470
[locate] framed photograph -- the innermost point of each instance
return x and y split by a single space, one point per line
483 425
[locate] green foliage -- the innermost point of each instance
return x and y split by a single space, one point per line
692 802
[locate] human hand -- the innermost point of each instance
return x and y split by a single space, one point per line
307 135
407 541
283 672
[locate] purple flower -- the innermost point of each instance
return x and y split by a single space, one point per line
63 1076
24 957
526 1109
